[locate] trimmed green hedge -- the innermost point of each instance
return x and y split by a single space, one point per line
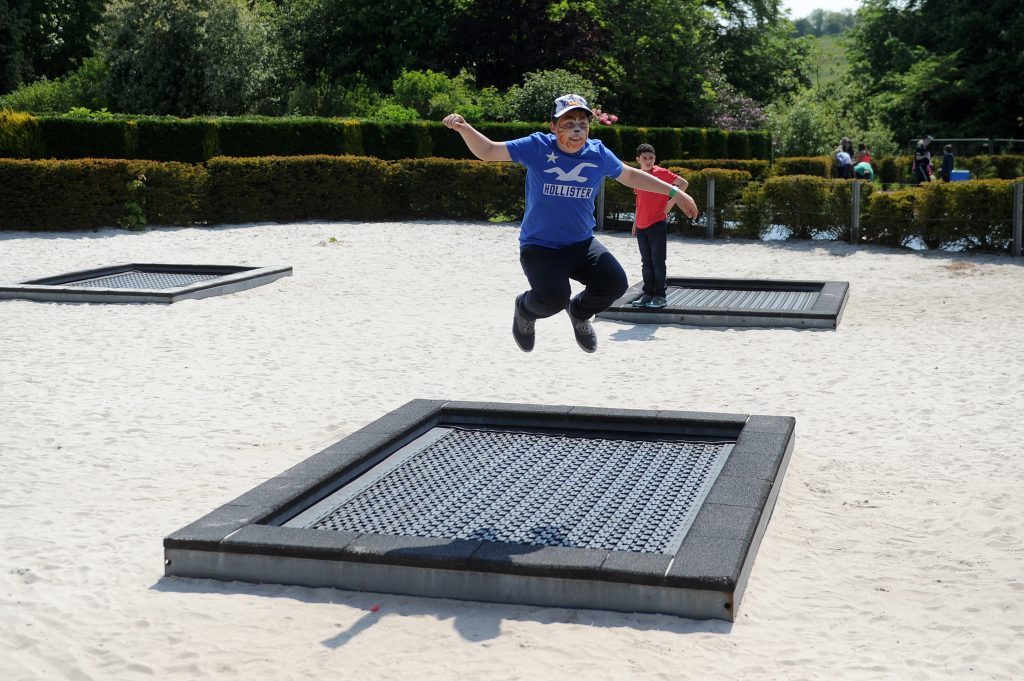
91 193
193 140
759 170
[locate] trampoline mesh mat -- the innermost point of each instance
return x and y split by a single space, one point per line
733 299
134 279
540 489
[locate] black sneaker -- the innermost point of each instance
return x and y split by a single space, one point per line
585 336
522 328
657 301
642 301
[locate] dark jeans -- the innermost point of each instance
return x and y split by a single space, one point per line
549 270
651 241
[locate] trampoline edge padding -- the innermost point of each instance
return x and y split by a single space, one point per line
705 578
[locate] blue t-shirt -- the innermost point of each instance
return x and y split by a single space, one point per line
560 188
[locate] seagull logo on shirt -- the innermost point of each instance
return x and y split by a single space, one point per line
573 175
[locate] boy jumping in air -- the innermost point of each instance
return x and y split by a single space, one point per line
564 170
650 227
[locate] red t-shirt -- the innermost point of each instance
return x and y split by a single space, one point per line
650 206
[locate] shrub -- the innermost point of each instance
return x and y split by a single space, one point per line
819 166
729 186
394 113
191 58
803 204
758 169
971 215
753 217
83 137
288 136
302 188
532 101
84 87
887 218
91 193
190 140
463 190
434 95
19 135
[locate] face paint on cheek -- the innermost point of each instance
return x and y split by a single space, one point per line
571 145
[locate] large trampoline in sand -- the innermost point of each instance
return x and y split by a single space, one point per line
143 283
636 511
738 303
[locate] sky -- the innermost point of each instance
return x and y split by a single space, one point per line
801 8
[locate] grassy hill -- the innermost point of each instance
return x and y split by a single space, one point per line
830 63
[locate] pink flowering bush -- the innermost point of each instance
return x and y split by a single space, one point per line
605 118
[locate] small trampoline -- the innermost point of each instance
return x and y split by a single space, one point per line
738 303
143 283
637 511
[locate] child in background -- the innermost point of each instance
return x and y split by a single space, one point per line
651 229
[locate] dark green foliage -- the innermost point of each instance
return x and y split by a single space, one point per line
941 66
198 57
189 140
464 190
611 136
67 137
666 141
892 170
395 140
281 136
694 143
302 188
716 143
738 144
193 140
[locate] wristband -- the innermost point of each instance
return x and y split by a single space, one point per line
671 193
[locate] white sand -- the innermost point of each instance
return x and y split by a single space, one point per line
895 550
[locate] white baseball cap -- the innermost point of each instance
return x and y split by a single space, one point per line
568 103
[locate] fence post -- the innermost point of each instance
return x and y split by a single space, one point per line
600 207
855 214
1018 216
711 209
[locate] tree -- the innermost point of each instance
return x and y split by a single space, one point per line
44 38
943 67
504 39
191 57
14 65
337 39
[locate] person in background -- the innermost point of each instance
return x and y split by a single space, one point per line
922 166
864 171
947 163
844 159
863 155
650 227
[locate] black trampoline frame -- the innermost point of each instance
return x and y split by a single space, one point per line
229 279
705 578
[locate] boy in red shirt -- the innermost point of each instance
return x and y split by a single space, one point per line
650 227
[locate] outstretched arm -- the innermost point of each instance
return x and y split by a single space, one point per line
638 179
483 148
